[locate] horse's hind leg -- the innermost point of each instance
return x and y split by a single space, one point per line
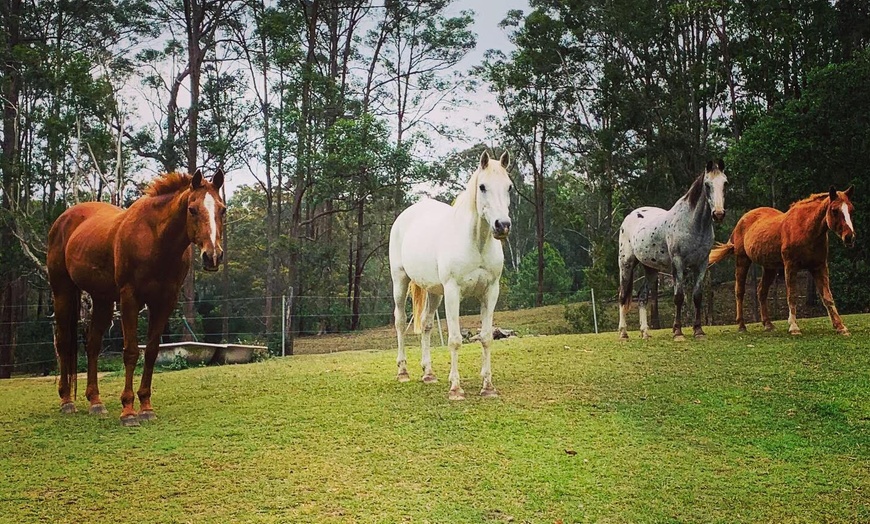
767 280
432 303
791 273
158 315
487 307
400 296
626 277
66 314
824 287
741 269
101 317
643 298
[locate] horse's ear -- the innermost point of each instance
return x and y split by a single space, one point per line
484 160
721 165
505 160
196 183
832 193
849 191
710 165
218 179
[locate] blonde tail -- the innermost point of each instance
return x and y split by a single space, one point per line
720 252
418 304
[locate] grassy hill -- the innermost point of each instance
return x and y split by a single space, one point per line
759 427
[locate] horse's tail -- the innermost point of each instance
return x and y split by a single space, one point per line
720 252
418 304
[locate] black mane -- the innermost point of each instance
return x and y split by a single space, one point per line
693 196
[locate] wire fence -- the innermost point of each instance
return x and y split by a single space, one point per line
246 320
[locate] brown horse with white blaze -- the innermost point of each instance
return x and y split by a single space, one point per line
790 241
136 257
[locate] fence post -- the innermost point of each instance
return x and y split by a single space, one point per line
594 313
289 322
283 324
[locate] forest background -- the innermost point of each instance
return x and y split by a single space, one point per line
334 110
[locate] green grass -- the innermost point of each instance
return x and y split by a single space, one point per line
761 427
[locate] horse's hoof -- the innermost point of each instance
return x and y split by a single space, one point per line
768 327
98 409
679 338
741 329
795 332
844 332
130 421
147 414
489 392
456 394
403 377
645 336
68 407
430 379
700 336
623 336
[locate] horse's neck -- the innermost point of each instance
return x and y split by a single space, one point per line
812 221
172 229
472 225
698 219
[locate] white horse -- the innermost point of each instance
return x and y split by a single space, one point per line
452 252
678 241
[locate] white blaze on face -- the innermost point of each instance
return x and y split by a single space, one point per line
209 204
848 218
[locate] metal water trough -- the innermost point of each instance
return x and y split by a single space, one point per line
199 353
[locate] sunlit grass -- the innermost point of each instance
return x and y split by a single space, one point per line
760 427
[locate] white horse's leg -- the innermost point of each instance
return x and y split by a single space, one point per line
400 295
454 338
487 306
432 303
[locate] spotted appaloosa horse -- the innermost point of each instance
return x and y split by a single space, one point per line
790 241
452 252
677 240
138 256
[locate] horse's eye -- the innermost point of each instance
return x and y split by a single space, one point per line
192 211
483 188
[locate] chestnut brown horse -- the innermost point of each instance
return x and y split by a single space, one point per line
137 257
794 240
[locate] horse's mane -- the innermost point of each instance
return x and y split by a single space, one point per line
695 192
168 183
812 199
468 198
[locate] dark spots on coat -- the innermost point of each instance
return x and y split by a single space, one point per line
653 259
639 215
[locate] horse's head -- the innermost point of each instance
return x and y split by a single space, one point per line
839 215
205 218
493 194
714 188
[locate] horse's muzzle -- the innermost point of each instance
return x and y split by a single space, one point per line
210 263
719 216
502 229
849 239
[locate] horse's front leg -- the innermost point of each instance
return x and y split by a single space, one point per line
129 323
101 318
791 273
487 307
679 297
823 286
697 299
158 315
454 338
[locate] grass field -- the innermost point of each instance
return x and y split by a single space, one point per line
761 427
